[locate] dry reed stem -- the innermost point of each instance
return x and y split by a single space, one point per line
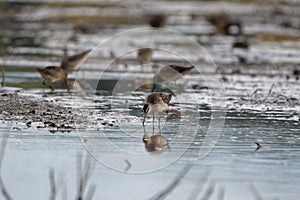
255 192
165 192
2 152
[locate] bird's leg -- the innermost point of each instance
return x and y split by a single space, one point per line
176 86
49 86
153 124
144 120
44 83
159 124
67 85
3 74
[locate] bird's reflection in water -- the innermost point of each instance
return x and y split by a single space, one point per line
155 143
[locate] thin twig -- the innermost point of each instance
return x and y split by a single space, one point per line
199 185
165 192
55 185
2 151
3 147
52 184
79 176
64 191
255 192
271 88
84 175
221 193
89 168
3 72
90 192
4 190
209 191
128 165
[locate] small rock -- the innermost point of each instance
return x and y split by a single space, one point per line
28 124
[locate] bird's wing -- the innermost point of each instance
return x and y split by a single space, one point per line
75 60
166 97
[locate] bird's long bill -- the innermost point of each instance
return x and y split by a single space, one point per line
146 109
145 115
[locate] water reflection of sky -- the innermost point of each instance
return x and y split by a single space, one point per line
233 164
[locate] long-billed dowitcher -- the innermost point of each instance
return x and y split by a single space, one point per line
156 103
170 73
144 56
72 63
225 24
157 20
53 74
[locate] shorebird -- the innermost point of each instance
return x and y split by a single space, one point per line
72 63
225 24
156 103
144 55
170 73
53 74
157 20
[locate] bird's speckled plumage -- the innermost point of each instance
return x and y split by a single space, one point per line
53 74
144 55
156 102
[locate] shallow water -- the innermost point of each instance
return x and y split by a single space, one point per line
255 90
233 163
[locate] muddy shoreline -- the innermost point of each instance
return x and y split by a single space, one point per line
31 111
